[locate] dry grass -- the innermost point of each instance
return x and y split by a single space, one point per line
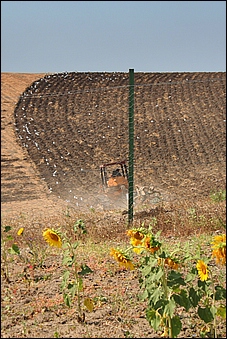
32 303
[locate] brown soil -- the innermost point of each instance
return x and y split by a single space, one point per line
51 148
58 129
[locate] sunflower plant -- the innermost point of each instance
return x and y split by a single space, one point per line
170 281
72 280
6 237
9 246
32 254
22 245
206 294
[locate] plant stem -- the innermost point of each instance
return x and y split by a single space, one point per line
78 291
164 284
77 281
214 329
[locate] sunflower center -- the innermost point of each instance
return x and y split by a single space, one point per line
204 270
138 236
54 237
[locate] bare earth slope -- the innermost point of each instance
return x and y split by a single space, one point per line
19 177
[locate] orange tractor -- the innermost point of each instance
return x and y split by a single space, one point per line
115 186
115 182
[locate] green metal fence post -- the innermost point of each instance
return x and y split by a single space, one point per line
131 145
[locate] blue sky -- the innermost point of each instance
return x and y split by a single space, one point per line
113 36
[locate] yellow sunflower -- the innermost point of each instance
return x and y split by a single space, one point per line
220 255
219 240
122 259
202 270
219 249
138 250
135 242
136 239
136 234
20 231
52 238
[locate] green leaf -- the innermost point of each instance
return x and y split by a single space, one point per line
162 255
154 276
213 310
221 312
67 300
220 293
175 278
182 299
146 270
85 269
7 228
170 307
68 260
203 285
190 277
145 260
80 284
66 275
81 225
14 249
143 296
65 278
159 274
64 247
153 318
193 297
70 285
205 314
72 289
142 284
9 237
156 295
176 326
160 305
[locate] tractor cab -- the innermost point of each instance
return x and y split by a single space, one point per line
114 178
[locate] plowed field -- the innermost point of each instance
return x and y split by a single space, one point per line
56 131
